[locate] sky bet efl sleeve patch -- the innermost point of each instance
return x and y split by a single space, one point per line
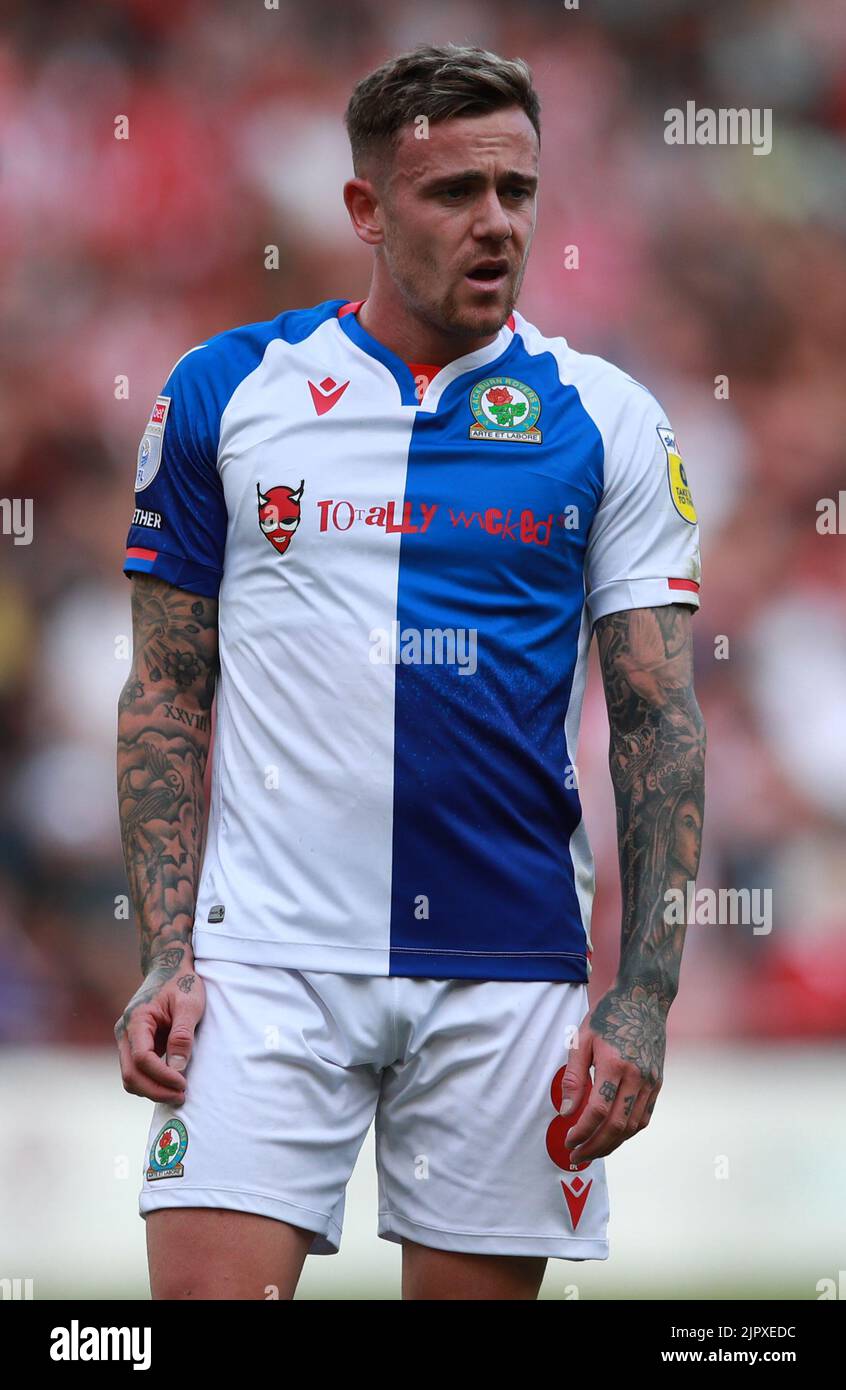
150 448
679 487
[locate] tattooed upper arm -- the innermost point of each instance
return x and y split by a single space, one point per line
647 659
174 635
657 759
164 726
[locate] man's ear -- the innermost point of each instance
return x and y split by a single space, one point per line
363 203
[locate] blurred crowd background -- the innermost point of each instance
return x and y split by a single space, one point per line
695 264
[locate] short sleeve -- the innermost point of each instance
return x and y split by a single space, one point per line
178 529
643 546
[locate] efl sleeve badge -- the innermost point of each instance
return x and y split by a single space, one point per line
679 486
150 448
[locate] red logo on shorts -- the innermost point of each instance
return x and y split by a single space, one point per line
575 1190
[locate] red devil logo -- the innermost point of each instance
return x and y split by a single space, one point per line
279 514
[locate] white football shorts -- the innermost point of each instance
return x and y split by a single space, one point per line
463 1077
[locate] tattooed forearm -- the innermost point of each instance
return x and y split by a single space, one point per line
163 744
194 720
657 758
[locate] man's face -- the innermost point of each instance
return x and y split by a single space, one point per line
464 196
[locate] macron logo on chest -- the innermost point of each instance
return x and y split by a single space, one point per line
327 394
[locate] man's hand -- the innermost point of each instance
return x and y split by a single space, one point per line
155 1032
625 1038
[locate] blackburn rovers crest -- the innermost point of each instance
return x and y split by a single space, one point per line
168 1151
505 408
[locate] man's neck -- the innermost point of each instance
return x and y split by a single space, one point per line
411 338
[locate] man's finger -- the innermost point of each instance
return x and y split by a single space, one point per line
180 1039
631 1096
124 1059
602 1099
638 1117
577 1072
142 1042
137 1085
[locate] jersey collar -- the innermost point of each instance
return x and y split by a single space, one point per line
400 371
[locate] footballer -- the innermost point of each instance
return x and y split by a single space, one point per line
383 533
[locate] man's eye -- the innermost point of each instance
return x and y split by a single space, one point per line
458 189
519 192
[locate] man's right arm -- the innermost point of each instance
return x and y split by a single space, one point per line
164 729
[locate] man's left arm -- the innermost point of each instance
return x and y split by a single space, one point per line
657 758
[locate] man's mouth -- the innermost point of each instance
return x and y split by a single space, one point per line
488 274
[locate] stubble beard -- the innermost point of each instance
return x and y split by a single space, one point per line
447 314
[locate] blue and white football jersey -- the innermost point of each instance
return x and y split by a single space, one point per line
407 589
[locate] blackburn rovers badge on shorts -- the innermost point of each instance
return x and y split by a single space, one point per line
505 408
168 1151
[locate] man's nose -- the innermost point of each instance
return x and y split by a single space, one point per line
491 218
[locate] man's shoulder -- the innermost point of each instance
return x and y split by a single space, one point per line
580 368
222 361
617 402
291 325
